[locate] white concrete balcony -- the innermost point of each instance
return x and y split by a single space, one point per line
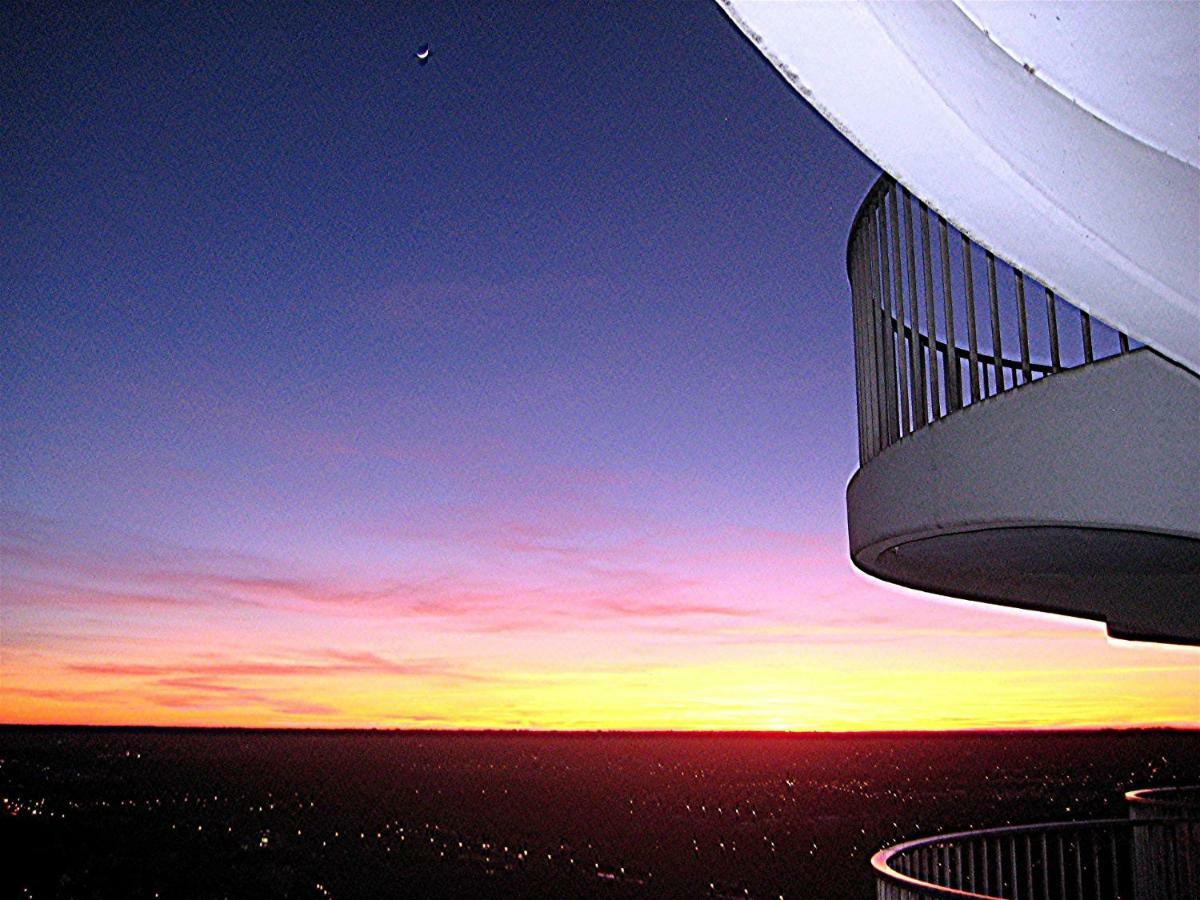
1012 449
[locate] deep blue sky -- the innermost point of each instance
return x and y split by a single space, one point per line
583 234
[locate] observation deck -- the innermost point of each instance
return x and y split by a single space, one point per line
1014 449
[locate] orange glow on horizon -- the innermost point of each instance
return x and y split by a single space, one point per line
729 630
1044 675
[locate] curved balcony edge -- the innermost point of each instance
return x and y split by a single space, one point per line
1153 858
1076 494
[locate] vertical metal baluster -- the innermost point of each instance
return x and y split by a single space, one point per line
1029 867
1001 865
953 381
1096 864
1085 322
1045 869
856 289
987 875
935 400
880 215
1052 325
870 348
897 308
1165 879
890 410
1012 863
875 367
868 272
994 311
1179 843
1191 840
1079 862
1062 865
972 336
958 867
864 324
916 363
1112 848
1160 868
971 863
1174 846
1023 328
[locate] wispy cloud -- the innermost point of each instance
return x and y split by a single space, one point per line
329 662
549 604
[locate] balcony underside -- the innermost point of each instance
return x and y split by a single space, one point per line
1078 493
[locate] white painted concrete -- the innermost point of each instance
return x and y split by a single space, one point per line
1078 493
1137 69
1085 180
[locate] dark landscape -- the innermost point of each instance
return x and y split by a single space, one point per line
228 813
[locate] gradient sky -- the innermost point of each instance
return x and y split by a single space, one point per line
514 389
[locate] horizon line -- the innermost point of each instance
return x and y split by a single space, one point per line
630 732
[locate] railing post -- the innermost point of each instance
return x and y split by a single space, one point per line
1029 868
987 871
994 311
953 381
916 363
1023 327
892 430
876 368
858 292
1116 871
1045 869
972 335
903 347
1079 861
935 394
1052 325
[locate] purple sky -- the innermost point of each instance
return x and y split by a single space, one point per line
553 327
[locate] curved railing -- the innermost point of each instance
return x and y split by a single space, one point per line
1164 802
940 323
1104 859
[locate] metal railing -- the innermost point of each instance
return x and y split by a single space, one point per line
940 323
1164 802
1106 859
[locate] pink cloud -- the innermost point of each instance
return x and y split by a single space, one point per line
326 663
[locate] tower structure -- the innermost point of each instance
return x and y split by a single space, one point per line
1025 287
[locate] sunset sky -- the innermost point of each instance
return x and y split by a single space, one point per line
510 390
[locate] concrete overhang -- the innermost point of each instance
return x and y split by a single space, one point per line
1064 137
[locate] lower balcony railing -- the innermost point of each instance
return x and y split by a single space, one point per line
940 323
1099 860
